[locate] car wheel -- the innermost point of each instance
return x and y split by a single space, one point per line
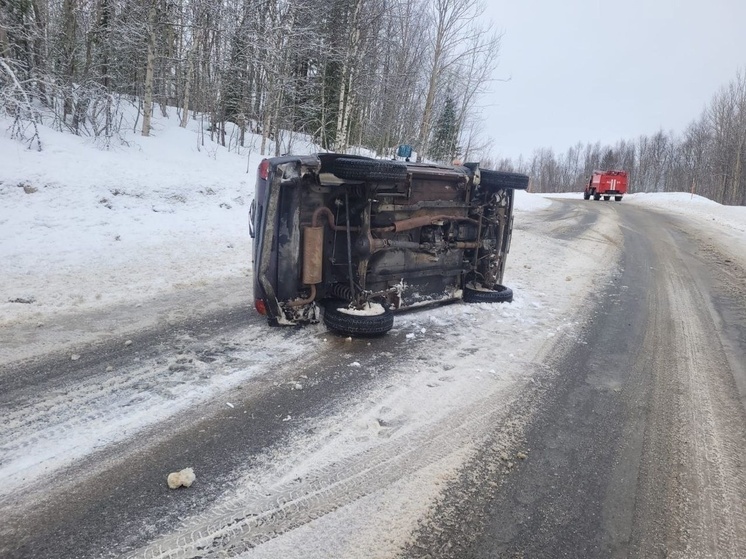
375 321
499 294
369 169
499 179
618 198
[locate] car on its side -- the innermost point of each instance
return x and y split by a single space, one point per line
354 239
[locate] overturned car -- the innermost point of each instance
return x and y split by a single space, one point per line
355 239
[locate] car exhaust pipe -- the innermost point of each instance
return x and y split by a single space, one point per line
313 262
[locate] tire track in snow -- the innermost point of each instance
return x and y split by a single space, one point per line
65 419
711 480
248 520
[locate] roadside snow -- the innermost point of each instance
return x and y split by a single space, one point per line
138 234
84 228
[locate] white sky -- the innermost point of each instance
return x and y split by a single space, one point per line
589 70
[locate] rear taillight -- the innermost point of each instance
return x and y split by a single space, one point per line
260 307
264 169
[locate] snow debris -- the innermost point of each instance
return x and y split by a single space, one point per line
23 300
184 478
298 386
74 357
128 343
288 418
374 425
229 405
410 335
370 309
355 364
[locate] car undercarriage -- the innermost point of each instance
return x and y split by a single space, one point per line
364 237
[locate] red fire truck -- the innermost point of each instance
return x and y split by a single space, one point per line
606 184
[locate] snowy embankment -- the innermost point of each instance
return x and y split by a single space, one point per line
158 228
85 228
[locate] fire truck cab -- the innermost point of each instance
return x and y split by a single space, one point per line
606 184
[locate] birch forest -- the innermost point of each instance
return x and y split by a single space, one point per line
349 74
369 73
707 158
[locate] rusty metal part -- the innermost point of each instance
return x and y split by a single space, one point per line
301 302
313 254
330 217
464 244
420 221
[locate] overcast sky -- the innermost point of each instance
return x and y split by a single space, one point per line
596 70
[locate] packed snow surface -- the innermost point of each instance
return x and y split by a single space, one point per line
158 227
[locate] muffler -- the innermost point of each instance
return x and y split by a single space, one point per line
313 254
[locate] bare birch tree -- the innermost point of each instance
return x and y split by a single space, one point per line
452 41
149 69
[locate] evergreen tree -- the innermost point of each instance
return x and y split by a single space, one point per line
445 138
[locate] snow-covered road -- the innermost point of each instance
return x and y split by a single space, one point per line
124 318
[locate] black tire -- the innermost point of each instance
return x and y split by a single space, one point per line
606 198
596 196
369 169
498 180
618 198
500 294
586 196
356 325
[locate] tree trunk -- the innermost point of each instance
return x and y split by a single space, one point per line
338 143
70 31
737 172
4 44
348 70
267 119
427 113
188 82
148 101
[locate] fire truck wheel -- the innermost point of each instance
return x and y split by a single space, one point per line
618 198
606 198
586 196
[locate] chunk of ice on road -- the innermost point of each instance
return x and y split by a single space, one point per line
184 477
